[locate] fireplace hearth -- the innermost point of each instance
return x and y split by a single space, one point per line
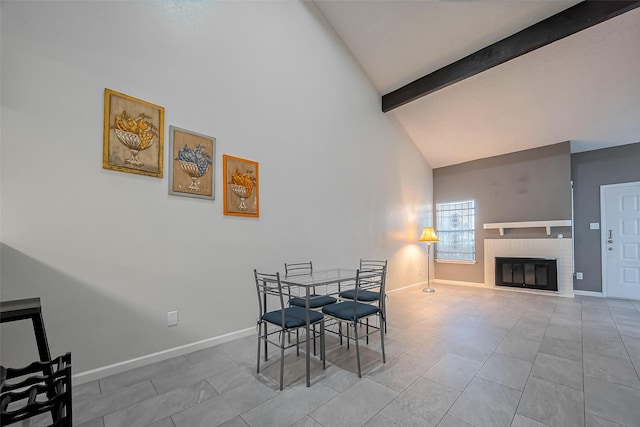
529 273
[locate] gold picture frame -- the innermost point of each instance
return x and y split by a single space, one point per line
191 164
133 135
241 189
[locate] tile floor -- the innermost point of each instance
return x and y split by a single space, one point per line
462 356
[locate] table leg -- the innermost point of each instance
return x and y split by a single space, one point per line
307 343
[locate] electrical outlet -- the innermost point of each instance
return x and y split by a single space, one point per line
579 275
172 318
419 272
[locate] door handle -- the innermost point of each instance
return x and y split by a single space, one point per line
610 239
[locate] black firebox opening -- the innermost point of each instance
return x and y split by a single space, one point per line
530 273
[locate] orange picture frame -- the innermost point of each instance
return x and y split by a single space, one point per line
241 186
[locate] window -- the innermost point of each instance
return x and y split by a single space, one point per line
456 223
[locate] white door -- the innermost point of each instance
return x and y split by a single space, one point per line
620 207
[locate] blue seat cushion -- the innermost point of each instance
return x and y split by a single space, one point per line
315 301
368 296
350 310
294 317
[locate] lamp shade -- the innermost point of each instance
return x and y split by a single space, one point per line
428 235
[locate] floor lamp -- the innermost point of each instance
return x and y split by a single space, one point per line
428 236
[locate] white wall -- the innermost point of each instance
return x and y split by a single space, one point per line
109 252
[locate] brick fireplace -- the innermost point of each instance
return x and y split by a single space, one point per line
560 249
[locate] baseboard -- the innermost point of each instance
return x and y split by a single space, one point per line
389 291
459 283
588 293
116 368
424 283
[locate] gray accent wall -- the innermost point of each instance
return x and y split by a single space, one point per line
590 170
530 185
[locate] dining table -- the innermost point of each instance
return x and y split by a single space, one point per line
306 283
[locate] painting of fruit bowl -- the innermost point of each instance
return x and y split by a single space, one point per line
133 135
137 135
191 171
241 186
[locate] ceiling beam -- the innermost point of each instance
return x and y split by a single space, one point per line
563 24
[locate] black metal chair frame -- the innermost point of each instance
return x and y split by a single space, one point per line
37 394
269 287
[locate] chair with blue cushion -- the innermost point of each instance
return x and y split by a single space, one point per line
274 325
353 313
370 287
316 301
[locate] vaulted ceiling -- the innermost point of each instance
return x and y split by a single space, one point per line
584 88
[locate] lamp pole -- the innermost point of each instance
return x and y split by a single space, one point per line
428 236
428 288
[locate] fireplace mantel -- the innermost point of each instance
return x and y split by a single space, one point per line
529 224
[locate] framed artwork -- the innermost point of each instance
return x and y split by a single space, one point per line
191 165
133 135
241 186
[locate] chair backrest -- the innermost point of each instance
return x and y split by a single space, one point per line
377 269
49 391
298 268
366 280
370 279
372 264
269 288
